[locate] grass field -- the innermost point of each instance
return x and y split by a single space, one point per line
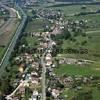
78 69
37 25
32 41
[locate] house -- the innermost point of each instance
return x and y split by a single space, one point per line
21 90
55 93
34 95
48 59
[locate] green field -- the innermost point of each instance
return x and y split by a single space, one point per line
32 41
37 25
92 69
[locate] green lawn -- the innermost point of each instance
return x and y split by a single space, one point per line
78 70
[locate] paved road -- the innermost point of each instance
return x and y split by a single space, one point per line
43 77
44 69
11 19
5 59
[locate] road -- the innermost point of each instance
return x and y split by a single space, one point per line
5 59
44 68
11 19
43 77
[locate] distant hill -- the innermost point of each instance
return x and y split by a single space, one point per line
73 0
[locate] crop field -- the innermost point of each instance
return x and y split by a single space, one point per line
7 34
9 31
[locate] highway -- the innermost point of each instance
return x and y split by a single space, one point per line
5 59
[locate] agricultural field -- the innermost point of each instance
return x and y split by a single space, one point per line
7 34
6 37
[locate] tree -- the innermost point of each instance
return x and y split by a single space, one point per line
5 86
33 12
66 33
